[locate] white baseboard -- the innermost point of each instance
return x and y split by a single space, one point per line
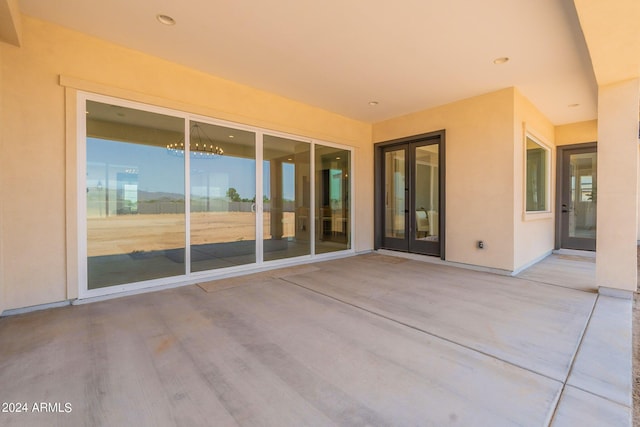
15 311
531 263
436 260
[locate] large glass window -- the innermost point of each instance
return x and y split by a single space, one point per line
135 196
537 176
167 196
333 201
287 197
223 197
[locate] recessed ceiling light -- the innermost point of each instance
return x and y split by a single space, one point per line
231 136
372 103
501 60
165 19
338 158
573 105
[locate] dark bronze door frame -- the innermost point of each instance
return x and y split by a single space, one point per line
576 197
399 211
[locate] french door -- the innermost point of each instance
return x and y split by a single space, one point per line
410 195
578 197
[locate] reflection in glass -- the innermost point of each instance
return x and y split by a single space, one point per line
223 197
135 196
394 194
286 184
583 203
332 199
427 193
537 181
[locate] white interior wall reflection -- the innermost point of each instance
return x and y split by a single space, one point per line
287 198
146 219
332 199
395 203
427 192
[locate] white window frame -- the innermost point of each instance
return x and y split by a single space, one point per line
195 277
547 212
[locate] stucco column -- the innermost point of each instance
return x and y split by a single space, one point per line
618 106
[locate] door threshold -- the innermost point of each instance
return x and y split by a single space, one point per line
575 252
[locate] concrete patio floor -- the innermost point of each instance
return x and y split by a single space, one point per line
365 340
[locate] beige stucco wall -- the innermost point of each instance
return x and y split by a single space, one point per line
479 173
534 234
617 221
577 133
33 165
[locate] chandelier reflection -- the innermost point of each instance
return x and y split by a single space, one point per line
201 146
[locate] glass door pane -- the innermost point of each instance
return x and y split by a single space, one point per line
579 190
395 193
223 196
425 199
427 193
333 201
409 203
135 196
286 183
583 201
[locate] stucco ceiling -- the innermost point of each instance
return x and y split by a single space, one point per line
339 55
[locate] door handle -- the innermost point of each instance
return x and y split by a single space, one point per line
564 208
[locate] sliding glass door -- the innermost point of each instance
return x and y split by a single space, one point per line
135 196
223 196
165 196
332 201
287 198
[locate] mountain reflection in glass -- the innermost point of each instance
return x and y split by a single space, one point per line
135 196
223 198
